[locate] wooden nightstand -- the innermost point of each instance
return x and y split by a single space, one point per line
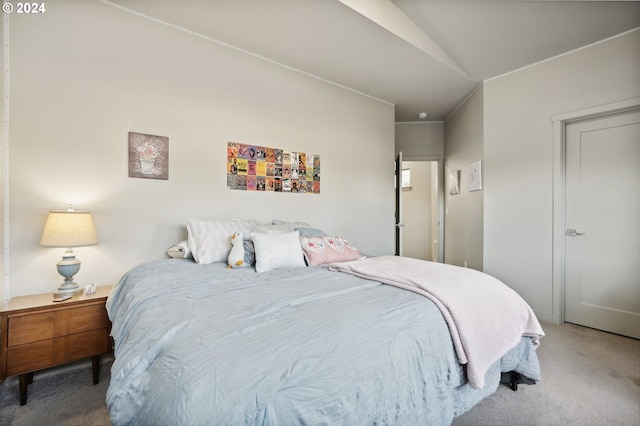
37 333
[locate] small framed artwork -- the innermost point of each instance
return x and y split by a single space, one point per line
406 179
454 182
475 176
148 156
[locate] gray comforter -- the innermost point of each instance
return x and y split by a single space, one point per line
206 345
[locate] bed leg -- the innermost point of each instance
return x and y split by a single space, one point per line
514 381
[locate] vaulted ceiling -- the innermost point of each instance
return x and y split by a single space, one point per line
420 55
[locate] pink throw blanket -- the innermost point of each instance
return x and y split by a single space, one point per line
485 317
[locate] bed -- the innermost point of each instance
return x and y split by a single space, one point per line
201 343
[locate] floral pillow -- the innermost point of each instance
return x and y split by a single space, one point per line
323 250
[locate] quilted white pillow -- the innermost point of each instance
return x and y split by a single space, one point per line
210 239
281 250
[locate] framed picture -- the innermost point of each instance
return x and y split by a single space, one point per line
475 176
148 156
454 182
406 179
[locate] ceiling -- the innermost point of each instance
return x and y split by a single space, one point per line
420 55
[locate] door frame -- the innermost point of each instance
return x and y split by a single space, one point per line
559 123
398 215
440 185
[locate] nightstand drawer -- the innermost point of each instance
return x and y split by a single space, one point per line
35 327
30 328
46 353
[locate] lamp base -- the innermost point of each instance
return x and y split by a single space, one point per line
66 291
68 266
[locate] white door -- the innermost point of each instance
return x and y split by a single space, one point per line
602 239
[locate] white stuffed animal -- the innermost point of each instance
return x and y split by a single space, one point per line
236 257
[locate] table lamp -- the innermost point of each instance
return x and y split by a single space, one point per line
69 229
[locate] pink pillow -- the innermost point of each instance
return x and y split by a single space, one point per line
321 250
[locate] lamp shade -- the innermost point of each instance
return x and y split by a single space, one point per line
65 228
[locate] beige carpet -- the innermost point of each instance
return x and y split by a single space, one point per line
58 396
588 378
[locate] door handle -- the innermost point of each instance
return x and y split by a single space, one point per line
572 232
400 225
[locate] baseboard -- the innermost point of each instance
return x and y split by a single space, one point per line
544 316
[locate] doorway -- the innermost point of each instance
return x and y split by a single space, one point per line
419 209
596 227
602 202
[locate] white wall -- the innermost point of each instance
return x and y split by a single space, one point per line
420 140
85 74
463 140
518 142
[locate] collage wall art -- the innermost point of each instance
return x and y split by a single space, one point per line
257 168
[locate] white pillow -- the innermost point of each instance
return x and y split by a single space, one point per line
272 229
210 239
280 250
179 251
